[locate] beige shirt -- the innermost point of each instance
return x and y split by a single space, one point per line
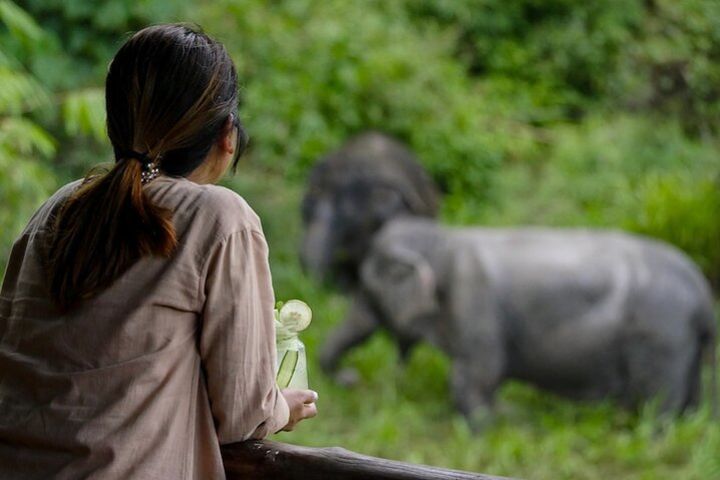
146 380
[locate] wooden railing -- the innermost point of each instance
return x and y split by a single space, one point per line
280 461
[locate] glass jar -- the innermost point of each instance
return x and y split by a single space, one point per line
291 318
292 363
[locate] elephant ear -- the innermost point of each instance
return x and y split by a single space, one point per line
403 284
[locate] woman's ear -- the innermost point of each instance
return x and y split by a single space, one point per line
227 141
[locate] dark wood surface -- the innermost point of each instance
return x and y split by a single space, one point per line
281 461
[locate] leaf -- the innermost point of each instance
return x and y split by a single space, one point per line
20 92
20 24
24 184
5 60
20 136
83 112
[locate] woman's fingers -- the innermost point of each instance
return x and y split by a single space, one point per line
309 410
308 396
302 405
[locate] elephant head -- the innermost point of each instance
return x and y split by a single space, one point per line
403 286
351 194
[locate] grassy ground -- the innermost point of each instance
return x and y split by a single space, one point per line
405 413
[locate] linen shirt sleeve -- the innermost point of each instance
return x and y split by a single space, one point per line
237 340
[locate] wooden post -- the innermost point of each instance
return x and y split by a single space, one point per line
280 461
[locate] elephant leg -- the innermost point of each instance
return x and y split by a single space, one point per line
705 348
694 378
475 378
472 335
360 323
663 373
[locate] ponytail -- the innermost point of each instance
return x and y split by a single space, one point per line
101 230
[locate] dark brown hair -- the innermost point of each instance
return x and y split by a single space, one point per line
169 92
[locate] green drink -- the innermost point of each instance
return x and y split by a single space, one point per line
292 317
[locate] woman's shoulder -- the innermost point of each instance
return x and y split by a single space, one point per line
230 208
45 211
211 207
62 193
66 190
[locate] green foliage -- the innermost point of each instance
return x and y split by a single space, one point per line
589 173
24 184
24 180
684 211
83 113
315 72
673 63
566 56
21 25
563 52
90 32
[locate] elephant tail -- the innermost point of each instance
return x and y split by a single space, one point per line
713 379
708 343
711 348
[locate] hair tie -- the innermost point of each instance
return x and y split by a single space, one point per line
150 170
132 154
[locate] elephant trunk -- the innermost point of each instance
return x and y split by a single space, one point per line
318 243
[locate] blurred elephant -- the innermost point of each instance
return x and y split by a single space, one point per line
351 193
588 314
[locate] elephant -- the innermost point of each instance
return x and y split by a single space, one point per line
351 193
584 313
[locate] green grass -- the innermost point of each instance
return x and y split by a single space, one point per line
405 412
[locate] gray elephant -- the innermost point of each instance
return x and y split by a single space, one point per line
351 193
585 313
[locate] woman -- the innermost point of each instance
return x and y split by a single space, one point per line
136 315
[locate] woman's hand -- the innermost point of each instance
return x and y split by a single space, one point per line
302 405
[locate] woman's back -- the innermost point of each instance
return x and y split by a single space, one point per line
126 385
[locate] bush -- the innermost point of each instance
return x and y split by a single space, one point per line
568 56
316 72
590 173
672 64
561 53
684 211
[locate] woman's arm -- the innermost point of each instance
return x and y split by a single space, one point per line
237 340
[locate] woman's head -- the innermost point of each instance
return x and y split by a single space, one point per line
172 100
171 93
